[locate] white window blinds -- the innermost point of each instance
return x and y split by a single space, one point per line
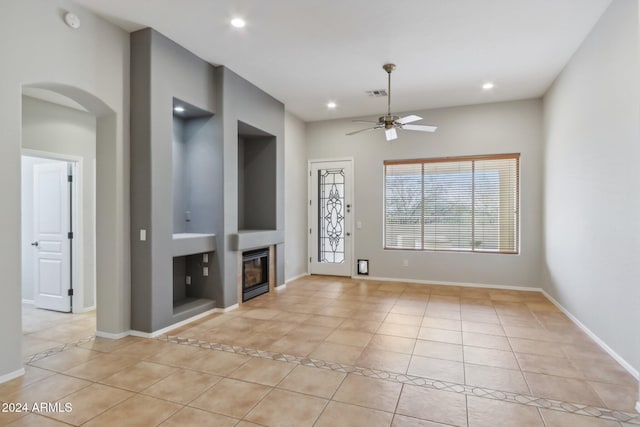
455 204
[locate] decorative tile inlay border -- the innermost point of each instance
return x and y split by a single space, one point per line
55 350
505 396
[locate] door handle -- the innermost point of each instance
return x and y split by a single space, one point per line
34 243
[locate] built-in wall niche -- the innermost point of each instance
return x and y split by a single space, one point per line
256 178
193 168
192 286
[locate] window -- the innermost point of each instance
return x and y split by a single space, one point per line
453 204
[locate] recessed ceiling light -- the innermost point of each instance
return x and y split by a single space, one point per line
178 109
488 85
332 105
238 22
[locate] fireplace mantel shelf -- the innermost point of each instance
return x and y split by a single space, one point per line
252 239
193 243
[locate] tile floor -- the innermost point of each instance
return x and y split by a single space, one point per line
328 351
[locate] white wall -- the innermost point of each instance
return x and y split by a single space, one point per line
591 177
90 64
509 127
295 202
52 128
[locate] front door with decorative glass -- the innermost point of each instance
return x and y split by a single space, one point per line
330 206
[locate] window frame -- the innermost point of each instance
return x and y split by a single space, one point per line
471 158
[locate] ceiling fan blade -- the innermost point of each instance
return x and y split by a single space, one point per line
391 134
421 128
362 130
408 119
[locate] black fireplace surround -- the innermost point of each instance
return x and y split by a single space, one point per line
255 273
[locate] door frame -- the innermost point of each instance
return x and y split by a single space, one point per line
77 221
350 185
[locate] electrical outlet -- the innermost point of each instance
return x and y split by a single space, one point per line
405 263
188 280
143 234
205 271
205 258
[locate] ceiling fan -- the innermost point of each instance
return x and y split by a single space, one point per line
390 123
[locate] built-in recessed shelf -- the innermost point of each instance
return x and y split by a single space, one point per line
196 305
193 243
251 239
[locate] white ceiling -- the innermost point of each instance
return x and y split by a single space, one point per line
308 52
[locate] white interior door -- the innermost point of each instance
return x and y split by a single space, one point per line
51 209
330 207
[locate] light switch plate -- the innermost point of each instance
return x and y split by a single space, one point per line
143 234
205 271
205 257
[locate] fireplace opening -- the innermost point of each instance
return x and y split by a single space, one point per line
255 273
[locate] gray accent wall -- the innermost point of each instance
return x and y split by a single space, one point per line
591 199
161 71
508 127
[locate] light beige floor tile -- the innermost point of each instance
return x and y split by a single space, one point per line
101 367
177 355
542 348
404 421
403 319
547 365
217 362
564 419
347 337
310 332
339 414
324 321
35 420
31 375
293 346
231 397
139 376
496 378
384 360
369 392
286 408
49 389
392 343
66 359
339 353
438 350
136 411
440 313
182 386
317 382
434 322
433 405
441 335
482 328
370 326
493 413
490 357
106 345
263 371
560 388
32 345
604 371
439 369
406 331
192 417
622 397
142 349
89 402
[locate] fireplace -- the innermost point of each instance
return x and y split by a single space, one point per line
255 273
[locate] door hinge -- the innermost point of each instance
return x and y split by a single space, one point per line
309 259
310 231
70 292
310 202
70 178
70 235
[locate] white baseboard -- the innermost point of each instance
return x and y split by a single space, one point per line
281 287
11 375
437 282
112 336
291 279
84 310
601 343
28 301
227 309
638 406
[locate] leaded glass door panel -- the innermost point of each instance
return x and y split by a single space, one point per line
330 208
